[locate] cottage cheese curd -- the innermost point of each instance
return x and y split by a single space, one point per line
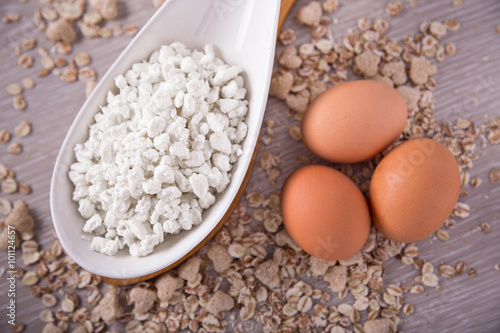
160 150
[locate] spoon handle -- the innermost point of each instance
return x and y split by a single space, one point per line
286 6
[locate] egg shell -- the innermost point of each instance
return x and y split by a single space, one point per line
324 212
413 190
354 121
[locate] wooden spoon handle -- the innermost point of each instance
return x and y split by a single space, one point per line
286 6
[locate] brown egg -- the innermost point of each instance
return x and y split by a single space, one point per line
413 190
354 121
324 212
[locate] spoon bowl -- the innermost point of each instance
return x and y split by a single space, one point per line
243 33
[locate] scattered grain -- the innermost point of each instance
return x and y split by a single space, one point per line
495 176
24 189
329 6
131 30
421 70
46 316
82 59
5 207
89 87
268 273
295 133
309 14
442 235
447 271
15 148
30 279
451 48
367 63
23 129
158 3
430 279
220 302
394 8
43 72
70 74
387 61
221 259
461 210
28 83
5 172
476 181
28 44
105 32
408 309
86 74
49 14
49 300
61 30
63 47
10 18
25 61
460 267
14 89
287 36
108 8
18 327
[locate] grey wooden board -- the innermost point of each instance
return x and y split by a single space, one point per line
468 86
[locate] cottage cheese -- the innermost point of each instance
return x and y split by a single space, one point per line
160 150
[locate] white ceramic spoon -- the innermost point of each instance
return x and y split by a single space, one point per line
243 33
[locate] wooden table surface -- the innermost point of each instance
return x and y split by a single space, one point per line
468 87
